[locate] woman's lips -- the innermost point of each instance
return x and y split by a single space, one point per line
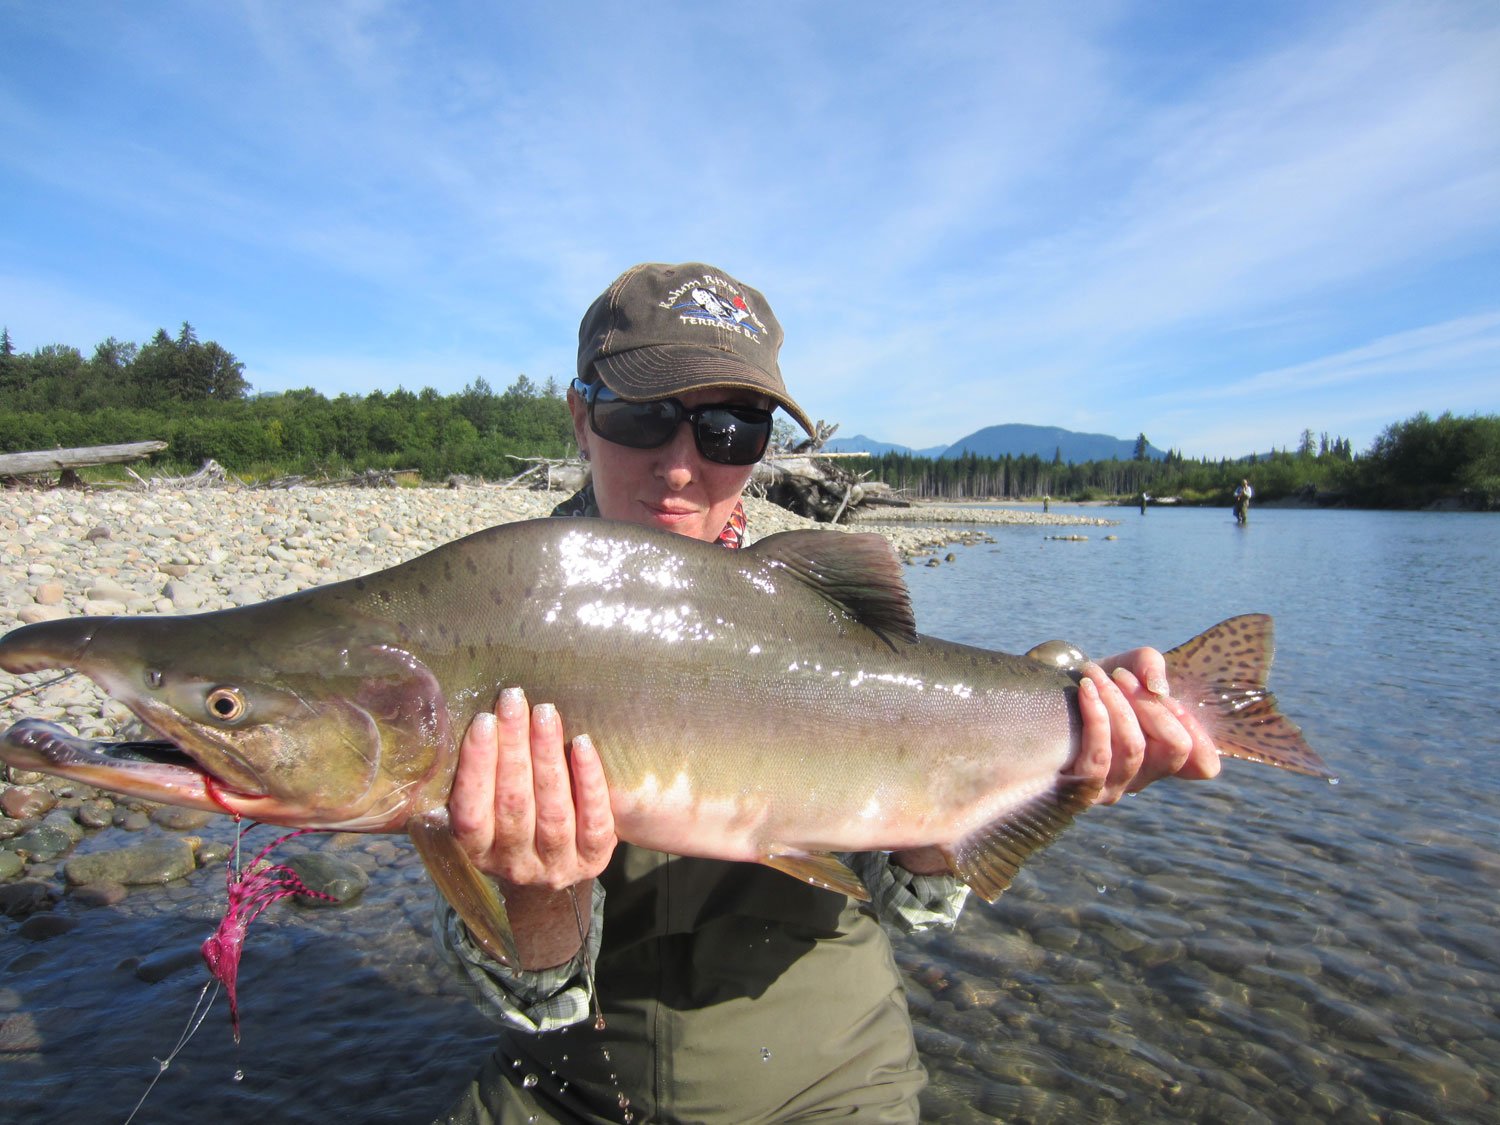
669 513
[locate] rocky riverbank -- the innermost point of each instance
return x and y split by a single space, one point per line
65 552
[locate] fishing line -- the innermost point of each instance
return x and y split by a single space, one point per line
37 687
194 1021
588 960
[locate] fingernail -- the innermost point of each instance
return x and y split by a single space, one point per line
544 713
1157 685
585 743
483 724
512 702
1086 687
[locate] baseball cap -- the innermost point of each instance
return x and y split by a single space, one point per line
662 330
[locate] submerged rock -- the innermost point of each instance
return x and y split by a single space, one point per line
152 861
339 879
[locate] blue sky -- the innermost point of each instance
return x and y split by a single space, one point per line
1216 224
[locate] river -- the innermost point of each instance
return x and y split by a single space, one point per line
1266 947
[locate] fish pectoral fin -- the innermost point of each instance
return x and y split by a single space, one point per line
1221 674
472 893
821 869
988 860
859 573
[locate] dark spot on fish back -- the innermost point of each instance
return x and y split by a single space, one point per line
470 565
422 589
359 584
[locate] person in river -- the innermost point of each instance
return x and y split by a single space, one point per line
668 988
1242 496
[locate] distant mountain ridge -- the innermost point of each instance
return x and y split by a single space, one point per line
861 444
1015 439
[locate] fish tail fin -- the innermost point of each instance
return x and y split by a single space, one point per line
987 860
1222 673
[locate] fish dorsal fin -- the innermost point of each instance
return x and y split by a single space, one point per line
820 869
1222 674
988 859
469 890
858 573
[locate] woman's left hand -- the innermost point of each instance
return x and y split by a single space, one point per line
1134 732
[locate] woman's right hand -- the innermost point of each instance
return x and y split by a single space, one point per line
521 810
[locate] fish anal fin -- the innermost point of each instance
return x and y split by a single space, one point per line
1222 673
858 572
468 889
820 869
987 860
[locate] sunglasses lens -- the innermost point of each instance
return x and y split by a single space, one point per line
639 425
732 437
729 435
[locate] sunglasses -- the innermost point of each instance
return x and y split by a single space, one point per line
726 433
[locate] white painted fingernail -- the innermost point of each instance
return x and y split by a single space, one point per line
544 713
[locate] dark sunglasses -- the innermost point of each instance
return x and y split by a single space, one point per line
726 433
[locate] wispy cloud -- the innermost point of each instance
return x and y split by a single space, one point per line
1116 218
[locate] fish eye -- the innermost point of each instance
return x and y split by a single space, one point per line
226 704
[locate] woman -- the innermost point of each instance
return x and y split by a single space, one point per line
725 992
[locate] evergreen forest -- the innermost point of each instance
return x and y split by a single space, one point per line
193 395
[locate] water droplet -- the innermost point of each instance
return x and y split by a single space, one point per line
239 1075
515 1064
599 1024
765 1054
605 1052
624 1101
1333 781
529 1081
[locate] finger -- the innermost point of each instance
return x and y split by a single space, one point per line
1146 664
595 816
1167 741
471 801
1203 760
555 832
1127 743
1092 759
514 810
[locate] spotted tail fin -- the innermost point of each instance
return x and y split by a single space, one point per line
1223 673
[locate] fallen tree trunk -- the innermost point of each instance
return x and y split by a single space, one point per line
53 460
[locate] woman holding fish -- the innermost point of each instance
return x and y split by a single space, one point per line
720 991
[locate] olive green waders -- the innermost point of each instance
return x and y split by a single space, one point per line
730 993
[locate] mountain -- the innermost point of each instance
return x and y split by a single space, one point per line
1046 442
861 444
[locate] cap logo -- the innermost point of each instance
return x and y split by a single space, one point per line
712 302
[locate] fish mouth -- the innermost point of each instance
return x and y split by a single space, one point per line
153 769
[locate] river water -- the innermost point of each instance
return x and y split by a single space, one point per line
1266 947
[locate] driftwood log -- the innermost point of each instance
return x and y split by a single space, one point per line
812 483
69 461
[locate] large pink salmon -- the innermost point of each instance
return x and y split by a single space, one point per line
772 705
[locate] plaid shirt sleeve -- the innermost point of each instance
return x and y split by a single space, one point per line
545 1000
909 902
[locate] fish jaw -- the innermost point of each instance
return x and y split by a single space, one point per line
32 744
309 748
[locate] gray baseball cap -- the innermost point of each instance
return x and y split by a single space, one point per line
663 330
